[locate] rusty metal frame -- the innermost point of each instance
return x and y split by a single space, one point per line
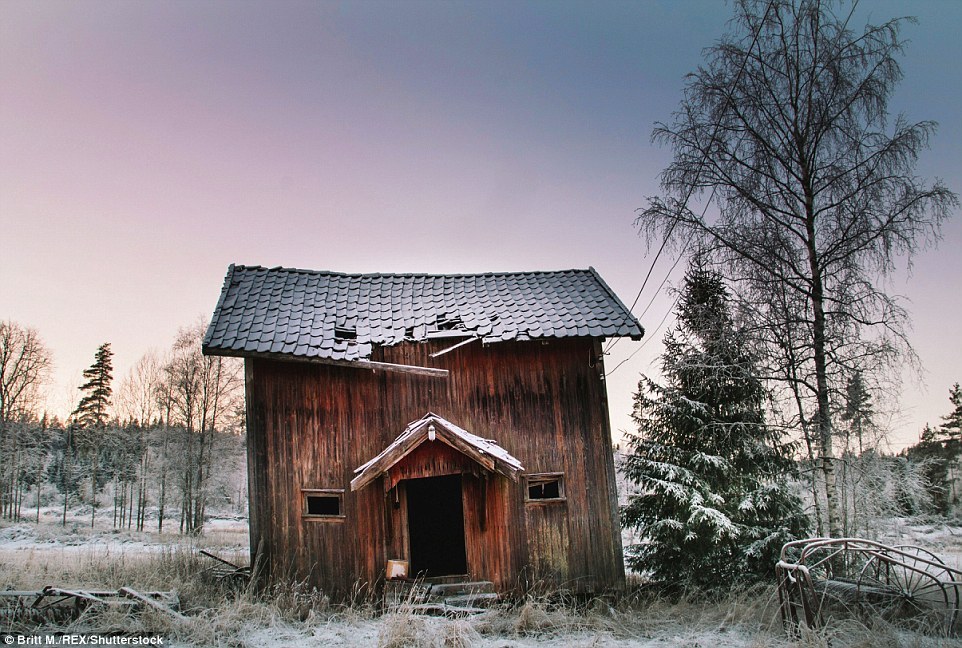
869 574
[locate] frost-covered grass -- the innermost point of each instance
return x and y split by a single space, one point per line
220 614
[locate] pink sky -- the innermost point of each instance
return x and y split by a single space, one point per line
145 146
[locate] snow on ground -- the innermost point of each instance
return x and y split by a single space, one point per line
443 632
941 536
228 534
28 537
45 548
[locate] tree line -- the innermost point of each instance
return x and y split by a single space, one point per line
154 453
719 487
939 450
792 190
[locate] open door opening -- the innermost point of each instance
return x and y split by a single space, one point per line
436 526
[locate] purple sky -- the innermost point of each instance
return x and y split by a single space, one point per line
145 146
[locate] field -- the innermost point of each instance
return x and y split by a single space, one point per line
219 614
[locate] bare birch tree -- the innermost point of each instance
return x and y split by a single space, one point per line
24 365
786 132
164 395
205 392
140 406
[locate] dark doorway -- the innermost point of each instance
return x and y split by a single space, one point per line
436 526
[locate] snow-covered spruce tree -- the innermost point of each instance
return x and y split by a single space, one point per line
952 428
713 507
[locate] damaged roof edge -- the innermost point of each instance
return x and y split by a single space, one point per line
371 365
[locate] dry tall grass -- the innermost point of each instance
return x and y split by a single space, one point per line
225 614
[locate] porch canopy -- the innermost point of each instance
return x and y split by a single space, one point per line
431 428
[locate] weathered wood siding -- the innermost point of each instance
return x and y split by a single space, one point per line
311 425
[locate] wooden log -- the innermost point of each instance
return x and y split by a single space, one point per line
204 552
146 600
356 364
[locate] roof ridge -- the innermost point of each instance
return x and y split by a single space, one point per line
362 275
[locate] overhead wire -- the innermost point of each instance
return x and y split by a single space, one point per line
645 343
664 281
684 204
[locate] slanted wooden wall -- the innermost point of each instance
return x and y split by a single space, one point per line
311 425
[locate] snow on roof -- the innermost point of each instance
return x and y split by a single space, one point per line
428 428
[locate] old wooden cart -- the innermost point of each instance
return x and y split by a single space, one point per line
822 578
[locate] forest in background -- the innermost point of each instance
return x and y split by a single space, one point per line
168 444
153 454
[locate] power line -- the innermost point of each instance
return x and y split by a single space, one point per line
645 343
691 187
664 281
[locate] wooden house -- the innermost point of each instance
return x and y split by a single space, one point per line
448 425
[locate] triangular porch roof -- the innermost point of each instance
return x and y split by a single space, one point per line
432 427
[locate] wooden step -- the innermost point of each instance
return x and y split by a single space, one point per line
447 599
443 590
443 609
474 600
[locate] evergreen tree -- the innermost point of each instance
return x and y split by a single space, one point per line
939 449
713 506
858 410
860 463
92 415
93 410
952 427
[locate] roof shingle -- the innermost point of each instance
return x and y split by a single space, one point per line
336 316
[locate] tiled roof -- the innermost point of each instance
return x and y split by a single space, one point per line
329 315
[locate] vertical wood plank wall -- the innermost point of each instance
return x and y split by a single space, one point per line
311 425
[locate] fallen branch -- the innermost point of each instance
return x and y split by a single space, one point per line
146 600
219 559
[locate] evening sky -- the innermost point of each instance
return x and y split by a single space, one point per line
146 146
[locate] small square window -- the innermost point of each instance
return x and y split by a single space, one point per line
323 503
544 487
